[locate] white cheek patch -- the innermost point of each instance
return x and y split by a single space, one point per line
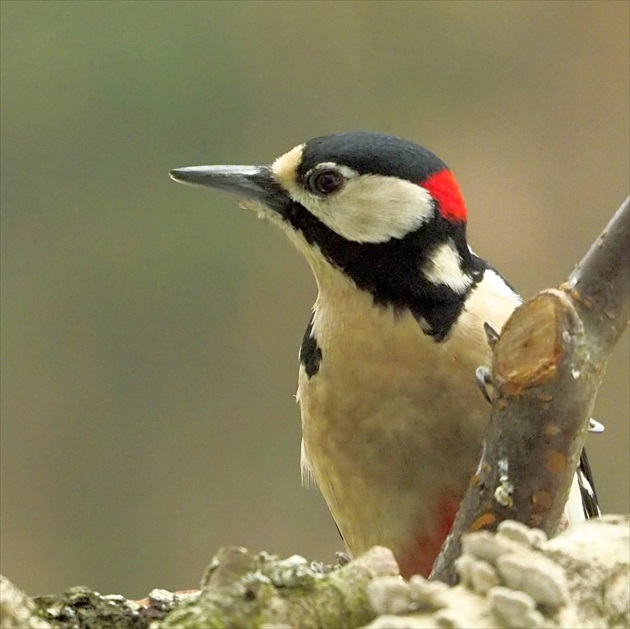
373 208
369 208
443 267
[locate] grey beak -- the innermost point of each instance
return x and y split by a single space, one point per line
247 182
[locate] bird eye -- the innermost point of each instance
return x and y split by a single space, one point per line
324 182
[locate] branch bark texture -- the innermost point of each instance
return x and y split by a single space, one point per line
547 367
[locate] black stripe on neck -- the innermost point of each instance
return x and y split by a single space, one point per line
310 351
391 271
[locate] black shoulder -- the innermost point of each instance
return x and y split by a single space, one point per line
310 352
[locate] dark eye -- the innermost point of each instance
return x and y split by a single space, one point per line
324 182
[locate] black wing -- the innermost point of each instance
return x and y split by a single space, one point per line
590 504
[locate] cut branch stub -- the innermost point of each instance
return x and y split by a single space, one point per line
528 352
547 367
542 357
546 384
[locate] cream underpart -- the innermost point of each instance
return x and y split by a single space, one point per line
368 208
375 431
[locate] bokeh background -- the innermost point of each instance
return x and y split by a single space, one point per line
150 331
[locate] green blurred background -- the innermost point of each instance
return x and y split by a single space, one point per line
150 331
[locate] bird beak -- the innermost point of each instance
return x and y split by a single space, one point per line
255 183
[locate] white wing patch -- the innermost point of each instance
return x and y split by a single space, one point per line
574 509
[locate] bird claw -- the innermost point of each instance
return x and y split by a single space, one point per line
483 376
342 558
595 427
492 336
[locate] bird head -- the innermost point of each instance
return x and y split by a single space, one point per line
385 212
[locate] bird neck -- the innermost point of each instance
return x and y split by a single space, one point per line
432 284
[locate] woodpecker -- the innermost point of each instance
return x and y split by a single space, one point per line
392 418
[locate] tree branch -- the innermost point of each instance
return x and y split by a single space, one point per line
547 367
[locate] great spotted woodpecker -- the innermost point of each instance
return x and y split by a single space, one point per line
392 418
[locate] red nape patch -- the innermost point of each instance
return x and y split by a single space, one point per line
444 188
419 557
